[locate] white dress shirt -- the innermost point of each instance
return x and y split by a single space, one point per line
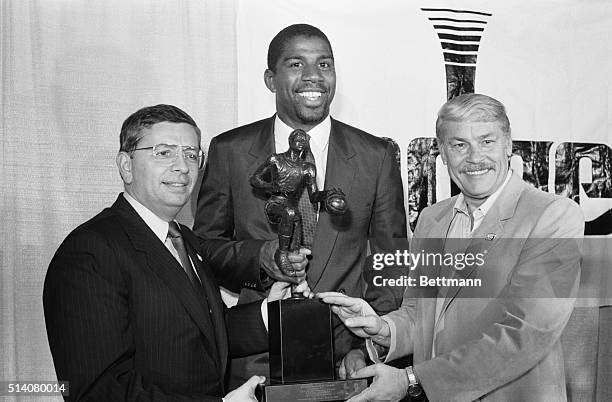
160 228
319 144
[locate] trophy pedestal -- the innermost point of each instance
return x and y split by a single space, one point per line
302 354
324 391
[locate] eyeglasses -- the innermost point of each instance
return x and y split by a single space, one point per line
167 153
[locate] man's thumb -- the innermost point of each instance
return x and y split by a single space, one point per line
256 379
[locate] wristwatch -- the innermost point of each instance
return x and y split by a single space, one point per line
415 391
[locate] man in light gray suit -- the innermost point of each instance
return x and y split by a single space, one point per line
488 330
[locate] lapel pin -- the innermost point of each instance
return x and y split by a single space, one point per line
490 236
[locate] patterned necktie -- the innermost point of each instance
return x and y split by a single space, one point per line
307 211
177 241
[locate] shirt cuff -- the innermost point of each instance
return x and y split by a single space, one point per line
393 336
264 312
372 351
378 353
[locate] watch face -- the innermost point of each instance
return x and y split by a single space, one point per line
415 390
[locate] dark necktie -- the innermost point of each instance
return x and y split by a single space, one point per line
177 241
307 211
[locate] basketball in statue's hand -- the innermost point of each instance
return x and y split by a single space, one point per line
335 202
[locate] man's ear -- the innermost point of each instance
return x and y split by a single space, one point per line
509 146
269 80
442 151
124 163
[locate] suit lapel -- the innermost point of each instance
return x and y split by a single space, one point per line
432 240
262 145
212 294
340 173
164 265
488 235
442 221
427 317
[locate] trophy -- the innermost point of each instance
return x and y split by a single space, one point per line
300 330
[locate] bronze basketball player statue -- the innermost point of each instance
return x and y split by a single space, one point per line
284 176
300 330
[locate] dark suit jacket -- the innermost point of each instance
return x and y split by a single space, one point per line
232 225
125 323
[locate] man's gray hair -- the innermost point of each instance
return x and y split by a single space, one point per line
472 108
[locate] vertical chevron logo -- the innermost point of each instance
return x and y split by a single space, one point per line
459 32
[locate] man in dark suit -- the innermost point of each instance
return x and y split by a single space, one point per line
132 310
231 222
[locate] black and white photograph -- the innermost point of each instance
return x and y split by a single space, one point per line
306 200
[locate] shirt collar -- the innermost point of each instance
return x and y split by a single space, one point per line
319 134
154 222
485 207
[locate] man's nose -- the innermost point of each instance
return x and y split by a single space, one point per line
180 163
311 72
475 154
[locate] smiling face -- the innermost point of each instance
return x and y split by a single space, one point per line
304 82
163 187
477 155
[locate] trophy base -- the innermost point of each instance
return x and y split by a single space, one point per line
322 391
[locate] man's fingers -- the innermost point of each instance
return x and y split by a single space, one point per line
304 289
366 372
300 256
369 323
255 380
305 251
296 258
339 299
362 397
342 370
353 361
330 294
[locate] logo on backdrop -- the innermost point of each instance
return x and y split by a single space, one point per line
576 165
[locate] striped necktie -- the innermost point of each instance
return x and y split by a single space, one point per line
307 211
177 241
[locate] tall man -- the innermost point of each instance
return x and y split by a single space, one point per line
132 310
231 220
498 341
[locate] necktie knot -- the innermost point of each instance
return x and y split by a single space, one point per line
177 242
173 230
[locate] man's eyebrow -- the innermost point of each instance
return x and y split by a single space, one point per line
486 135
301 58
